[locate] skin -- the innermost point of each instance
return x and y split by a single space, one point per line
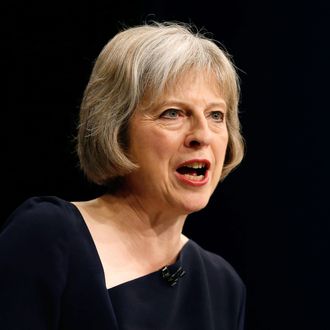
145 218
188 122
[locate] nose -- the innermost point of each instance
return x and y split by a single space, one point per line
199 134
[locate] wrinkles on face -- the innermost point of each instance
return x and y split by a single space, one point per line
187 122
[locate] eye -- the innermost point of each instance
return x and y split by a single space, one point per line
171 114
217 116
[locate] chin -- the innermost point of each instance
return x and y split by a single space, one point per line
195 205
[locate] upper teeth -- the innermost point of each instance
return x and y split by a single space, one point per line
195 165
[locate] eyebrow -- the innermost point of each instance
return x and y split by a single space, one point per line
221 105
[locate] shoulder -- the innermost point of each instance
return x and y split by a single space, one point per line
217 268
225 288
41 205
35 247
44 216
39 237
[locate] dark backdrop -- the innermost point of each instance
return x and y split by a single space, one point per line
269 218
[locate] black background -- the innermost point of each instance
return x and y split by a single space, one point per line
269 218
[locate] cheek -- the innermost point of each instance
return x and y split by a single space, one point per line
221 149
163 146
221 145
153 145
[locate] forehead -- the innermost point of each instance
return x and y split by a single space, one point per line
201 80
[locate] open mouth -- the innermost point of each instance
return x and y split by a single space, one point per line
194 171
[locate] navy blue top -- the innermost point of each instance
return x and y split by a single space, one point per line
51 277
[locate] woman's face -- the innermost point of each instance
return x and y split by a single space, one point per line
180 145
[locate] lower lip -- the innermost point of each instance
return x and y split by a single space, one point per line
195 183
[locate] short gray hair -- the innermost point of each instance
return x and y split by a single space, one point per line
140 60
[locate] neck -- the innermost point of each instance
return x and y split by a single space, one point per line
147 231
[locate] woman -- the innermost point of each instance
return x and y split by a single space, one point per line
159 127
